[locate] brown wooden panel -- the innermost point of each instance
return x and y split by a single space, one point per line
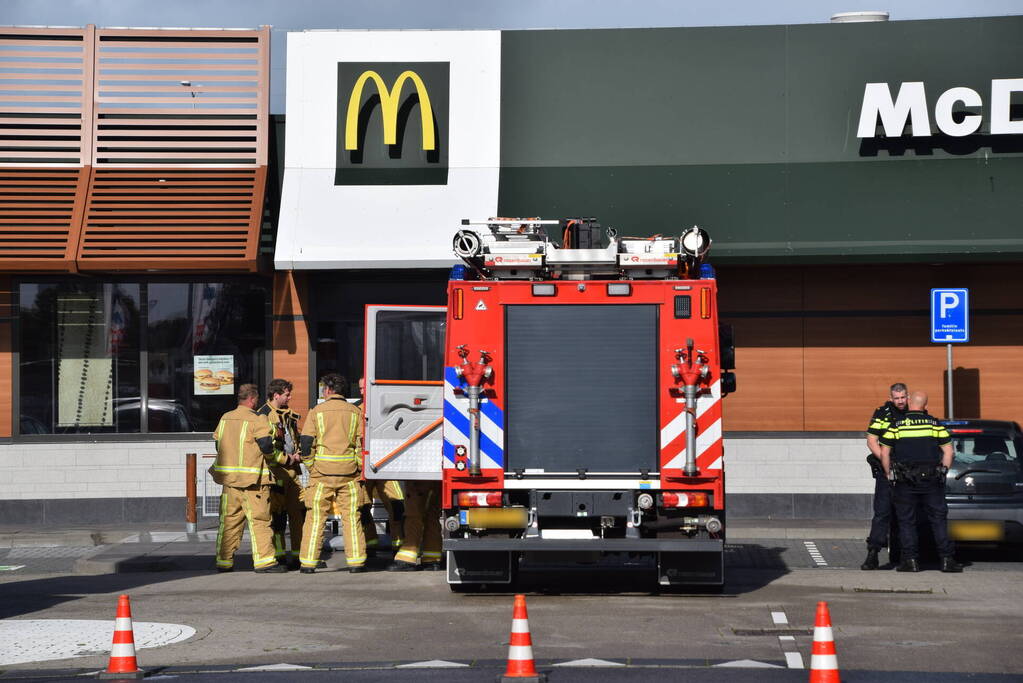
291 336
769 370
6 355
172 219
40 214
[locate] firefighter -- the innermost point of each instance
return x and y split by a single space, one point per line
883 527
330 447
387 492
422 540
916 452
244 456
286 506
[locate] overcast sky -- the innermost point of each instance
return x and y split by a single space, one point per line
291 15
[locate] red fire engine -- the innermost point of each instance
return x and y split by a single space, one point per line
579 410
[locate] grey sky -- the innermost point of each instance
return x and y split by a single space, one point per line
291 15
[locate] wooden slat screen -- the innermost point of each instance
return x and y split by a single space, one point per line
132 149
45 144
172 218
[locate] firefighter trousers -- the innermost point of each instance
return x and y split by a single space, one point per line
287 511
320 496
390 494
240 507
422 523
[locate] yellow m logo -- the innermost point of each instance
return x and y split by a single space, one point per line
389 109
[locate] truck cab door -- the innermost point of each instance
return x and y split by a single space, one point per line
404 398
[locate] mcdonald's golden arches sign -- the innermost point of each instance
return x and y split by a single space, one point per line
392 123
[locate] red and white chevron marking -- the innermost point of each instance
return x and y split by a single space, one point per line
709 454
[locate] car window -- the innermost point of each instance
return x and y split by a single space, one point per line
984 448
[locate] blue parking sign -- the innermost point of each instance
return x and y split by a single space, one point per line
950 315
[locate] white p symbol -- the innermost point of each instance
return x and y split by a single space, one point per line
949 300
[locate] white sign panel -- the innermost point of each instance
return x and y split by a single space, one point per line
393 138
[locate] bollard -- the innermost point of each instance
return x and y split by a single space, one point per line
190 497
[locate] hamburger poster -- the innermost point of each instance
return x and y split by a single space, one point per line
213 375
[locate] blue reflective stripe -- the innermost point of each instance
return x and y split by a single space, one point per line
461 422
492 411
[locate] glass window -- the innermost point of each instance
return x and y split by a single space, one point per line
79 358
984 448
221 325
82 344
410 345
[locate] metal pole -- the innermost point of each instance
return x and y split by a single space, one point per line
951 411
190 496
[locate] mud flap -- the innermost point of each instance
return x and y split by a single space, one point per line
691 568
488 566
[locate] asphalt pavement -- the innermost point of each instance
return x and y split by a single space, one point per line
596 625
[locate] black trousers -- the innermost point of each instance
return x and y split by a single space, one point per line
883 525
931 501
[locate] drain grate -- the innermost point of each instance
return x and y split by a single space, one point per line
919 591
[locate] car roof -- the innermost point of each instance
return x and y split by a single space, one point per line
985 425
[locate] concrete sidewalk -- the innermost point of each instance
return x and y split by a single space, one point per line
166 547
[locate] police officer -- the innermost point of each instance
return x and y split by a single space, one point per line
286 506
883 527
244 456
916 452
330 447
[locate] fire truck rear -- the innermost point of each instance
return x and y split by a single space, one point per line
583 378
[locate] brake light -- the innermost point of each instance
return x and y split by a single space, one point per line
479 499
967 431
684 500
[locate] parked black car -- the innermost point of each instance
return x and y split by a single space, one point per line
984 487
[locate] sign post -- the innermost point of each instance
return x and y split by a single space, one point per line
950 324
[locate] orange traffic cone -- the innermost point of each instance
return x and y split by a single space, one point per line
823 661
521 667
122 653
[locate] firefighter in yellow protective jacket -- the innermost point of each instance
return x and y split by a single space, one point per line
286 506
244 456
330 448
422 541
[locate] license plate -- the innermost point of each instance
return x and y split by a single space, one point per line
962 530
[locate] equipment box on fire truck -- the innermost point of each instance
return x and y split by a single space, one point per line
568 399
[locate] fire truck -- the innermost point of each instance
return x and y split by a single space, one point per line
568 398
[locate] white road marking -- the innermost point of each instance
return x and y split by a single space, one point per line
431 664
588 662
41 640
779 617
275 667
787 638
794 660
815 553
748 664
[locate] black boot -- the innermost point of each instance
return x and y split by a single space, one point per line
949 565
871 561
910 564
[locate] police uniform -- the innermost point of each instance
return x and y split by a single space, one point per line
244 452
330 448
422 540
883 526
916 461
286 506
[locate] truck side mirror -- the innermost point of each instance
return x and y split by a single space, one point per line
727 383
726 344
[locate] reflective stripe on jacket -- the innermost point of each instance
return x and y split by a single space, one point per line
239 461
334 426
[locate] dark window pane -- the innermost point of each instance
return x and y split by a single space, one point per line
410 345
79 353
186 320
